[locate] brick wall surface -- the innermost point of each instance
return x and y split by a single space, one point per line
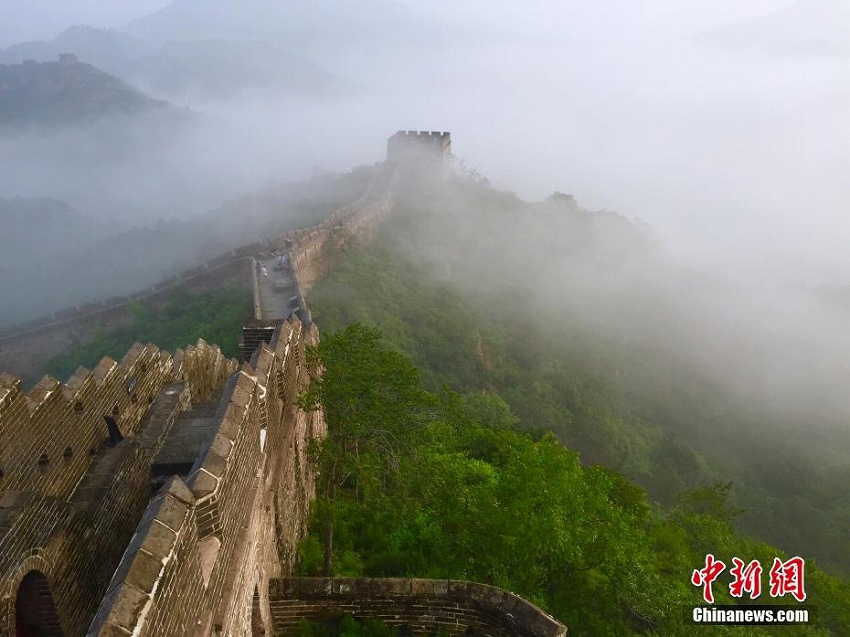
313 248
208 546
423 606
47 435
71 517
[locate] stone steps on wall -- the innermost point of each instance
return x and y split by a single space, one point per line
253 336
189 436
96 482
107 461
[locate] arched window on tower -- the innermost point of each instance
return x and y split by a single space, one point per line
35 612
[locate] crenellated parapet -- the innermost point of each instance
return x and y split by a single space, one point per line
49 435
72 491
422 150
233 523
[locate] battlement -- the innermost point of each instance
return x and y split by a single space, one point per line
76 464
216 538
420 148
423 135
49 435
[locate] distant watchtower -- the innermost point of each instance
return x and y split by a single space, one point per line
422 150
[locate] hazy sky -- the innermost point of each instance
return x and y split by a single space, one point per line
741 159
43 19
558 16
39 19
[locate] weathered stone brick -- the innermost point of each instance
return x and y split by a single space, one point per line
192 584
144 572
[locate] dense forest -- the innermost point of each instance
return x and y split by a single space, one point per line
438 484
498 443
478 325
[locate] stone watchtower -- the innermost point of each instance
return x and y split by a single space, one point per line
422 150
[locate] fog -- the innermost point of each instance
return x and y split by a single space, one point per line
736 156
705 146
42 19
771 349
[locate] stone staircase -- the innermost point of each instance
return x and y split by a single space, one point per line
184 443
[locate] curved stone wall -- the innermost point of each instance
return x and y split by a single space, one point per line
423 606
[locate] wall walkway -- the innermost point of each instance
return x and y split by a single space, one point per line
86 550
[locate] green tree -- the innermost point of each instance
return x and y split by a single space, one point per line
373 404
417 485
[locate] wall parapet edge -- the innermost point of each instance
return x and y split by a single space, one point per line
421 604
214 538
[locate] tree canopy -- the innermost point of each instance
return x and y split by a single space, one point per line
415 483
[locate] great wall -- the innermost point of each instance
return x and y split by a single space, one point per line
165 494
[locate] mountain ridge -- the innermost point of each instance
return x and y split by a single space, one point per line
387 33
206 68
66 91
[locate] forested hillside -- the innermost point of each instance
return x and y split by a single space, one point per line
460 311
442 485
621 400
66 92
551 448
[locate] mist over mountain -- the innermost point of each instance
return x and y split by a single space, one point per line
688 376
737 163
109 50
217 69
352 40
186 71
690 294
66 92
26 20
40 238
44 229
133 158
560 266
806 27
53 256
72 132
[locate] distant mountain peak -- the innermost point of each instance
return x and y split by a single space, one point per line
806 27
218 68
64 92
386 31
111 51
